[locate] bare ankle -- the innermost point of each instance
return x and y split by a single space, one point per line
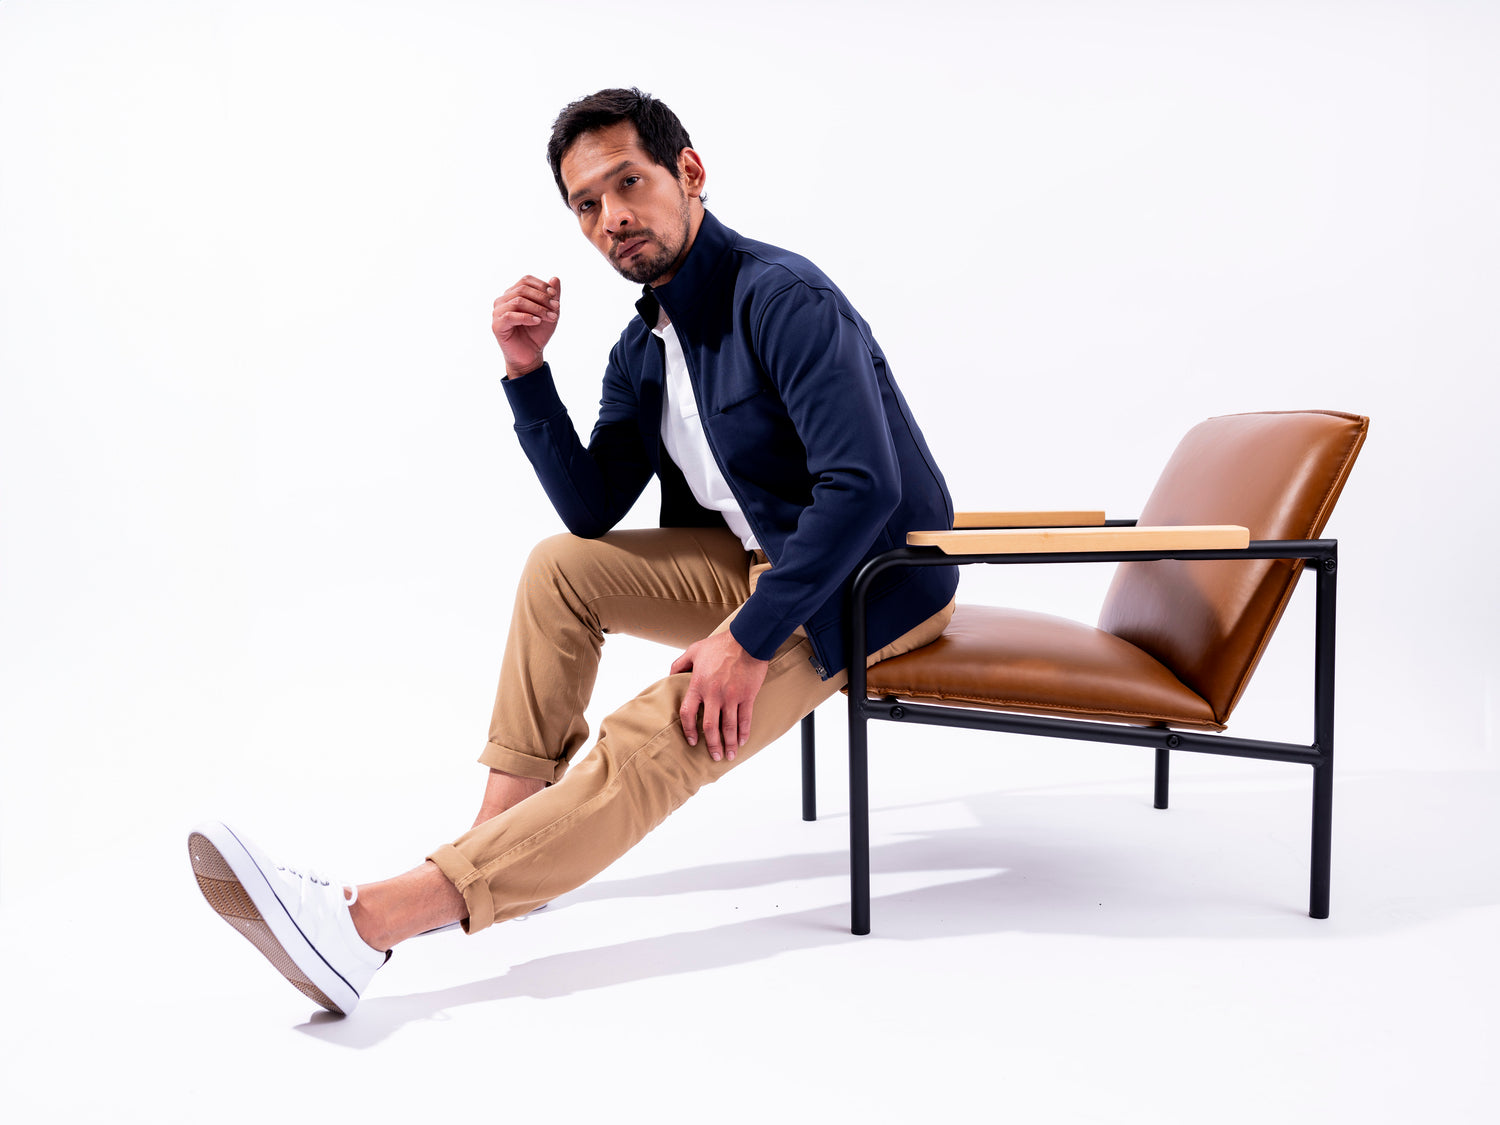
393 910
504 791
367 926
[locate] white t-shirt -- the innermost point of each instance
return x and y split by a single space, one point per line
683 438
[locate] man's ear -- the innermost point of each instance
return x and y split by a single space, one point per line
691 173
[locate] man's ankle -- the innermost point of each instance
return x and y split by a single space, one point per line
368 927
391 911
505 791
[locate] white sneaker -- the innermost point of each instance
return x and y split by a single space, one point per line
300 921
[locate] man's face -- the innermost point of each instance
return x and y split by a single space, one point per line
635 212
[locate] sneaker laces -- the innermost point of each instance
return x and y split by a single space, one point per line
311 878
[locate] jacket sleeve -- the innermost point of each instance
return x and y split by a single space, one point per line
592 488
821 364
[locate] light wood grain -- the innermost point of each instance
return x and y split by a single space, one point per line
1062 540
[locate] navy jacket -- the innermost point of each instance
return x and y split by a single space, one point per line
806 423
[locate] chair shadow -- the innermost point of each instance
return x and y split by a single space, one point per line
1042 863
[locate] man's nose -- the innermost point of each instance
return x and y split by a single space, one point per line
616 216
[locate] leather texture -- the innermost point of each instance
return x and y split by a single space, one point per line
1016 660
1177 640
1277 474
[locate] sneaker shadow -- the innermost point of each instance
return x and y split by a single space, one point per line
608 966
1098 865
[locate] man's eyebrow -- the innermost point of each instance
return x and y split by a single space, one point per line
574 196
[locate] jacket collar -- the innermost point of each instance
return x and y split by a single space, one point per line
694 278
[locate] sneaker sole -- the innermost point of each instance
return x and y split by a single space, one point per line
259 917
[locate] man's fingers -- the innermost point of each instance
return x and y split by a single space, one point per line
538 297
688 713
532 284
528 302
536 303
711 733
525 315
725 682
523 320
730 726
537 288
511 319
509 328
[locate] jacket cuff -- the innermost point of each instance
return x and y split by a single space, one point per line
533 397
759 632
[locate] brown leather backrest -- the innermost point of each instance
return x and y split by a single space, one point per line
1277 474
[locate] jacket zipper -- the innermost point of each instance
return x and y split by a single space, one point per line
816 659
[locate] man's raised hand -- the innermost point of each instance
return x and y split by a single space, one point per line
523 320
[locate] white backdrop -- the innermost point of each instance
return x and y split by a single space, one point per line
261 515
260 506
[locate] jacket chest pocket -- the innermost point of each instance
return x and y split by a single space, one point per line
745 402
730 387
759 443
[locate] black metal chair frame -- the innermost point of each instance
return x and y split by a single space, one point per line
1321 555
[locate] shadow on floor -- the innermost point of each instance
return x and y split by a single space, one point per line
1408 848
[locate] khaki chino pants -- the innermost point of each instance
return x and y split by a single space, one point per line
676 586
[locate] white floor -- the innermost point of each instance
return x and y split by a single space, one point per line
1046 948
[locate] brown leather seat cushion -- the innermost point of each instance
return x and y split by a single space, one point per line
1016 660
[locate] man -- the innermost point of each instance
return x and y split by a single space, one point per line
787 456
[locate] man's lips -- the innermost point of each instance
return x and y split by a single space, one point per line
626 249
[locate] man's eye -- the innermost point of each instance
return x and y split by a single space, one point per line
585 205
630 180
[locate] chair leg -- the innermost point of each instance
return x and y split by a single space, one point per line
1322 818
859 822
1163 768
809 768
1322 839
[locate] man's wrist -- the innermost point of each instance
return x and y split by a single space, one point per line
740 652
512 372
734 631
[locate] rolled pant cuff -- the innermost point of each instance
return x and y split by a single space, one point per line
465 877
506 760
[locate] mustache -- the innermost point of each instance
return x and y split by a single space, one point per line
633 236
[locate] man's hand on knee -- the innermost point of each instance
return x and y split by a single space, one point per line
726 680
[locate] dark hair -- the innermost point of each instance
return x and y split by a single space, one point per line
661 134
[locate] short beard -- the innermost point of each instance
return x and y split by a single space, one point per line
647 266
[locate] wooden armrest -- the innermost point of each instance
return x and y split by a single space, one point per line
1028 519
1062 540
